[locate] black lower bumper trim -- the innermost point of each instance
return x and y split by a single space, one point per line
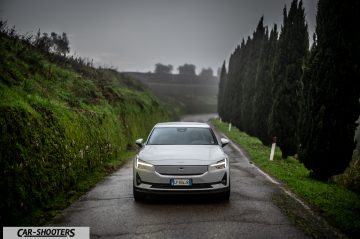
181 192
194 186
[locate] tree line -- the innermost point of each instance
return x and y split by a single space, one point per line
53 43
275 85
54 46
186 69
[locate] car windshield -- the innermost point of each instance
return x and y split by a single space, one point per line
182 136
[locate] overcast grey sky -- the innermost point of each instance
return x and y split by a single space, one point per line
134 35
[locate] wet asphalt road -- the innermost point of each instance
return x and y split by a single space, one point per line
111 212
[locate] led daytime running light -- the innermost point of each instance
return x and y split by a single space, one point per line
140 162
218 164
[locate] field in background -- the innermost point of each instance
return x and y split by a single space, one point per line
189 93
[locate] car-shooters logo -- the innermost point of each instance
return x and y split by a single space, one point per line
46 232
53 232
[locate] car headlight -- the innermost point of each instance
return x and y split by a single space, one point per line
219 165
140 164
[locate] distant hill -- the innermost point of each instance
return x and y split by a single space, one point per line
192 93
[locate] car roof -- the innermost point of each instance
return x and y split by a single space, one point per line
182 124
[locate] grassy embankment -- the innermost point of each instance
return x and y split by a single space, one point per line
64 126
340 206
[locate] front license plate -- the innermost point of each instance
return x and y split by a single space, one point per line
180 182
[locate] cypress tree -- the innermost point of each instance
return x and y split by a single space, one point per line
241 66
227 95
263 98
222 93
234 86
286 74
254 47
331 86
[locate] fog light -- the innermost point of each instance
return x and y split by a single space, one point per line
138 179
224 179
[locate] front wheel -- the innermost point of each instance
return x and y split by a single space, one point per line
138 196
226 195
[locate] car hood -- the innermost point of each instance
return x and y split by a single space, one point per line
182 154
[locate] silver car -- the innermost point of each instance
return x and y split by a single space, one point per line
181 158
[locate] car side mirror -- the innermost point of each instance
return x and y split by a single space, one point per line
139 142
224 142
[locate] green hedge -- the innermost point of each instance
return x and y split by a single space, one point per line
47 148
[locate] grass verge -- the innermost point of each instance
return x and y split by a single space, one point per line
340 206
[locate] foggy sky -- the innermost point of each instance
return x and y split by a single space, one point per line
134 35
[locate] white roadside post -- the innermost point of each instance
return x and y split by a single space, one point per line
273 145
229 127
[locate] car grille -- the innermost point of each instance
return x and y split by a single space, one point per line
181 170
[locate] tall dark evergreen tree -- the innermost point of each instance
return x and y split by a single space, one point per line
263 98
222 93
331 86
254 47
287 72
233 88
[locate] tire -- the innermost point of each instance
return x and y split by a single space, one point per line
138 196
226 195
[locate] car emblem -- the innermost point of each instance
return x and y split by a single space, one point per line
181 168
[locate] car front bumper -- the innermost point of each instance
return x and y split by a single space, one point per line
210 182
